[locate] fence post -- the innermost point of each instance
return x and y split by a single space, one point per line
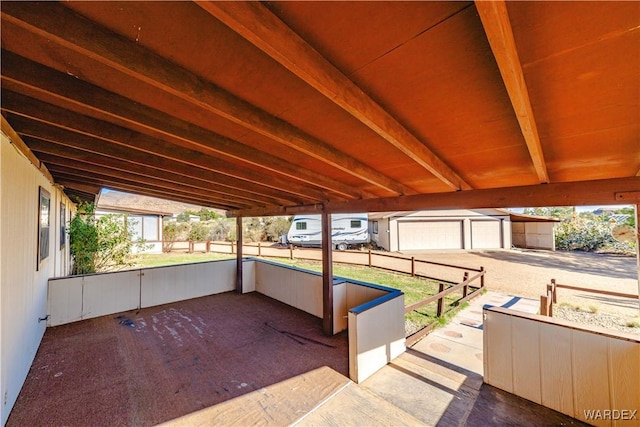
413 266
553 291
544 306
259 249
191 246
440 301
233 244
208 246
465 288
482 277
369 258
290 251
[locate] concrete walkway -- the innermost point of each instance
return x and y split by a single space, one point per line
439 380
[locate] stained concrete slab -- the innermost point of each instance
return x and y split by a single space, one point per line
356 406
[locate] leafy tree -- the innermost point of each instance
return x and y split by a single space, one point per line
277 226
554 212
206 214
198 232
184 217
254 229
100 244
220 229
585 233
83 239
173 232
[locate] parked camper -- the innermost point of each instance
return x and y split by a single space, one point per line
346 230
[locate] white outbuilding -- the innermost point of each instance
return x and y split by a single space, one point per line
462 229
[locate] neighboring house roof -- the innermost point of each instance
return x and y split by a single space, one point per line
133 203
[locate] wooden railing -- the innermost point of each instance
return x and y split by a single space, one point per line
547 301
467 290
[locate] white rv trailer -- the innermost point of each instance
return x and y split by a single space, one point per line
346 230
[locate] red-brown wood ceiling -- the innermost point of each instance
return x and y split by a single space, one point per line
164 99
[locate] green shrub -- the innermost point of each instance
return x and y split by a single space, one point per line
100 244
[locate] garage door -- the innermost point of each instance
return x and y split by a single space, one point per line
418 235
486 235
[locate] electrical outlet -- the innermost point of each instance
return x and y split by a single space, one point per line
6 396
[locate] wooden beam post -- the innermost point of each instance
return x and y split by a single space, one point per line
327 275
239 255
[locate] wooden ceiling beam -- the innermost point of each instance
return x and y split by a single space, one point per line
64 119
495 20
265 30
74 163
47 151
36 81
137 158
127 185
578 193
56 25
70 183
112 179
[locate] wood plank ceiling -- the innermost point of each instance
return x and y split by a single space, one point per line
282 107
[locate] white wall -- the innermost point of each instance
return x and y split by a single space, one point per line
84 297
294 287
376 335
534 235
565 366
23 288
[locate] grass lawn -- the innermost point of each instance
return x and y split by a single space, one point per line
157 260
414 288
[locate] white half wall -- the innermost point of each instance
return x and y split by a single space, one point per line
84 297
566 366
376 335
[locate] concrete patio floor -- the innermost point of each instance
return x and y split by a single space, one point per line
438 382
248 360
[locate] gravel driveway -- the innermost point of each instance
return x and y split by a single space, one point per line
526 273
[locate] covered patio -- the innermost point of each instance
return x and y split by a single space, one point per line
230 359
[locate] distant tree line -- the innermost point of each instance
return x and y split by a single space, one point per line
215 227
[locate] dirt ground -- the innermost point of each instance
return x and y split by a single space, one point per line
527 272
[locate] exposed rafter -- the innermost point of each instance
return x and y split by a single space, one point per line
495 20
116 136
52 23
33 80
143 176
258 25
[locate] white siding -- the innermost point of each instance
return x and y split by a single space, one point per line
23 289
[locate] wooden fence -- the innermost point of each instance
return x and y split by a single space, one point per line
547 301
